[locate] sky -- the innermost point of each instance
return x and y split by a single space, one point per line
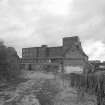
28 23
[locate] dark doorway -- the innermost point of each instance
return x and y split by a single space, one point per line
30 67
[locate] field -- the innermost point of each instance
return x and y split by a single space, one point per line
63 93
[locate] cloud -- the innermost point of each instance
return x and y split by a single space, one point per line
25 23
95 49
88 18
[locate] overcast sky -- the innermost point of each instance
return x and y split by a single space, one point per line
26 23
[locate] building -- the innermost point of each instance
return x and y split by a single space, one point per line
69 57
98 65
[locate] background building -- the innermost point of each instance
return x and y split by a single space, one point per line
97 65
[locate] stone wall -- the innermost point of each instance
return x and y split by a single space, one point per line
70 55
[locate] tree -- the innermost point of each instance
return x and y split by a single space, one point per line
13 63
9 62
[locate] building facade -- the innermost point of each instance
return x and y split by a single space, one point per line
69 57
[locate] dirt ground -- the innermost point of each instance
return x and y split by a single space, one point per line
68 95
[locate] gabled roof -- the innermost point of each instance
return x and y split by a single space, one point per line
80 50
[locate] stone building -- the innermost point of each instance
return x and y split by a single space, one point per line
69 57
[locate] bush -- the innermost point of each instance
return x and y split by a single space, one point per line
9 63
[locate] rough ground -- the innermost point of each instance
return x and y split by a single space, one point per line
73 97
68 95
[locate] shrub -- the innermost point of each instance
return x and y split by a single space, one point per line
9 62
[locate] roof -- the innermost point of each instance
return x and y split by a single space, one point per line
80 50
59 51
42 52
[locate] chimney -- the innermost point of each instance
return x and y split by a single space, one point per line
68 42
44 46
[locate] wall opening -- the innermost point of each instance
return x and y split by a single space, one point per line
30 67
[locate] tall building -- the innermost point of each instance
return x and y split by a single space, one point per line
69 57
